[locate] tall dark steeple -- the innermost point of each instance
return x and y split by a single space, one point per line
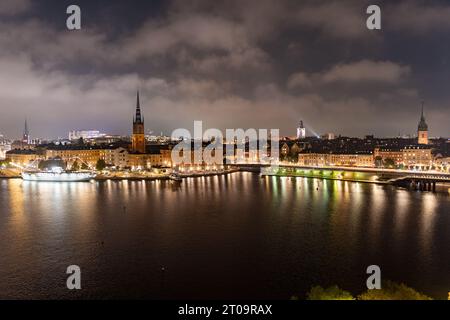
26 133
422 124
422 129
138 138
138 118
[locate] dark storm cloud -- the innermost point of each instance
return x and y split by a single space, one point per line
8 8
263 64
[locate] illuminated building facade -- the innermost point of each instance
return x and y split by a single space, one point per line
333 159
88 155
23 157
328 136
301 131
385 154
417 157
85 134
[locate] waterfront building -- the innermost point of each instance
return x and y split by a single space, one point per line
417 157
145 161
70 154
121 160
442 163
138 138
333 159
114 156
23 157
156 155
422 130
383 155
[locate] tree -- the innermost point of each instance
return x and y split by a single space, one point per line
378 161
293 155
393 291
75 166
389 163
3 163
101 165
330 293
42 164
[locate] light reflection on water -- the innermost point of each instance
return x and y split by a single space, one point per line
236 236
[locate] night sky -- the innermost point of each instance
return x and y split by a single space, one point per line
232 64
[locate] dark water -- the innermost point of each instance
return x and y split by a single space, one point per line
236 236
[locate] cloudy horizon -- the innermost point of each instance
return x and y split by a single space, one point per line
231 64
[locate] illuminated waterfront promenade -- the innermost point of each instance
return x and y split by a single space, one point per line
357 174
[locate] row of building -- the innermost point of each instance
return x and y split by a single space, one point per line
420 153
414 157
113 155
160 155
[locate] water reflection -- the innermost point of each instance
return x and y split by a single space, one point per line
235 236
428 216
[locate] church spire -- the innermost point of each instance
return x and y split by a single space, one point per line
422 116
422 129
26 133
138 118
422 123
138 138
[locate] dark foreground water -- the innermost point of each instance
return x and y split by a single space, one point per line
236 236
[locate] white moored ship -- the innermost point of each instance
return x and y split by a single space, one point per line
57 175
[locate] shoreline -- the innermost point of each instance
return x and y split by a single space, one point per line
100 178
328 178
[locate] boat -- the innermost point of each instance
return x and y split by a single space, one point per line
175 177
57 174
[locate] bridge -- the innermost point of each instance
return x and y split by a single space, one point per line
417 180
422 182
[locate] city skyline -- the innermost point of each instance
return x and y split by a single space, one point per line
305 132
224 66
